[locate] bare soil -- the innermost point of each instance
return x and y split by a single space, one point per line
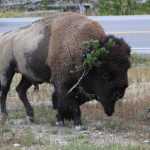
130 125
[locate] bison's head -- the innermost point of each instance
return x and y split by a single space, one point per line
108 78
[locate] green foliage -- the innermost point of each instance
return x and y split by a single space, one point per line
45 115
139 60
95 52
28 138
116 7
10 13
85 145
143 8
45 4
123 7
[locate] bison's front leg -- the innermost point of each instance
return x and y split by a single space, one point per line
5 81
67 105
57 106
68 109
77 115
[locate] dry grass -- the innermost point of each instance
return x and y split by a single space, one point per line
131 121
23 13
10 13
131 113
139 74
133 107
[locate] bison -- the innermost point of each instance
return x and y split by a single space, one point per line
106 81
24 51
52 51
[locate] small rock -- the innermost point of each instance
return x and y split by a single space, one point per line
99 126
78 128
3 118
16 145
85 132
61 142
59 123
100 133
146 141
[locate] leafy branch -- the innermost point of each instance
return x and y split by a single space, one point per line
95 52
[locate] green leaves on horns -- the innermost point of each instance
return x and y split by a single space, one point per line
95 52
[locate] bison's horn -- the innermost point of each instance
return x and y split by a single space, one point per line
98 64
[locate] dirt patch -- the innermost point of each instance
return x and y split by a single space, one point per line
129 126
19 133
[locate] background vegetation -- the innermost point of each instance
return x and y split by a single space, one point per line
123 7
127 129
99 7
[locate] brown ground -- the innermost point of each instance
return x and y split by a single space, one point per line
129 125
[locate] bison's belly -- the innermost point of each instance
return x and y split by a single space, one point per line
34 70
38 73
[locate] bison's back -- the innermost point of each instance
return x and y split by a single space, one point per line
6 49
68 32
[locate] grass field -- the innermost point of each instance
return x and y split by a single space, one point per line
127 129
10 13
22 13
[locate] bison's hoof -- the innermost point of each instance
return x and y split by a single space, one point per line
78 128
3 118
60 123
29 119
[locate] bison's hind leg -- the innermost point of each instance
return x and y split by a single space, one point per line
60 119
21 89
5 81
54 100
59 116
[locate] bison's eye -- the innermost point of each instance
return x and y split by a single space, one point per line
106 76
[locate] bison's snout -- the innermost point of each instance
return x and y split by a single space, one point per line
119 92
109 108
109 111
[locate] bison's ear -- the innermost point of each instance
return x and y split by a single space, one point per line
129 51
98 64
109 41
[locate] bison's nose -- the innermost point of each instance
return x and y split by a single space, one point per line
109 111
122 85
119 92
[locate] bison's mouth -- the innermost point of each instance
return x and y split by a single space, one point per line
108 106
118 92
97 97
109 111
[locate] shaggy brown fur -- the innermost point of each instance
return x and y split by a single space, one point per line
51 50
68 31
108 81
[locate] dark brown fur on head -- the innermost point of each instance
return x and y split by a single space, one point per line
120 47
108 80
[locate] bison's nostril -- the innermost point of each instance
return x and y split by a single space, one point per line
98 98
119 94
124 87
109 111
